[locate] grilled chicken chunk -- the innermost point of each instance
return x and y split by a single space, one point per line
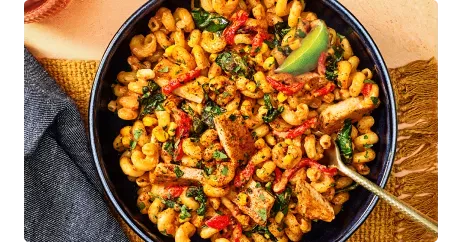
354 108
234 136
177 174
312 204
259 204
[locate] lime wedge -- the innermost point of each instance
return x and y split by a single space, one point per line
304 59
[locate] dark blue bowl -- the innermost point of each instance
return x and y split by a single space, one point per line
104 125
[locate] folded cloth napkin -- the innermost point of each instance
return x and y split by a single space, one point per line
63 198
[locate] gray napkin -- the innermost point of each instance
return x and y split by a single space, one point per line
63 198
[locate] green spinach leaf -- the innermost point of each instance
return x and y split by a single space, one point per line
178 172
345 142
211 22
281 29
184 214
219 155
272 113
211 109
231 62
169 147
282 201
285 50
331 64
151 99
198 194
261 230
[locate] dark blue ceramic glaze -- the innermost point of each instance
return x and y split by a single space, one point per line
105 125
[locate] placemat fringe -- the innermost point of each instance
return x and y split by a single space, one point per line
415 169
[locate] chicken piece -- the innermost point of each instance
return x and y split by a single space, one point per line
312 204
332 118
259 204
234 136
182 175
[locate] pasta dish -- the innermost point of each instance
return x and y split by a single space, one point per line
232 104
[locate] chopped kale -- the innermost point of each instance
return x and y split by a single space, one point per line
231 62
169 203
282 201
169 147
178 173
263 230
331 64
151 99
272 113
211 110
285 49
198 194
219 155
184 214
345 142
281 29
211 22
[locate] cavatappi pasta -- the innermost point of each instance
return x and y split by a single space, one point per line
225 145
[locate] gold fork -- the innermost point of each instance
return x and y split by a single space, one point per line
333 157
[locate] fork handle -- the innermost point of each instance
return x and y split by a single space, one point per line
391 199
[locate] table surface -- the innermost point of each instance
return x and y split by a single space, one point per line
403 30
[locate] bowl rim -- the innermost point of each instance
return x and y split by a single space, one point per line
343 12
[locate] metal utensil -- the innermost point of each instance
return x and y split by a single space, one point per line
333 157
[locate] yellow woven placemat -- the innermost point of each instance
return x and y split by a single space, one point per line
414 175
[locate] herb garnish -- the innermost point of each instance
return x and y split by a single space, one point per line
272 113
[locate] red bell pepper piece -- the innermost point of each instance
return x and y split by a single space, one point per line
238 20
237 232
184 123
180 80
330 171
286 89
178 154
175 190
302 163
329 87
366 89
321 64
244 175
280 184
277 174
218 222
258 40
298 131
